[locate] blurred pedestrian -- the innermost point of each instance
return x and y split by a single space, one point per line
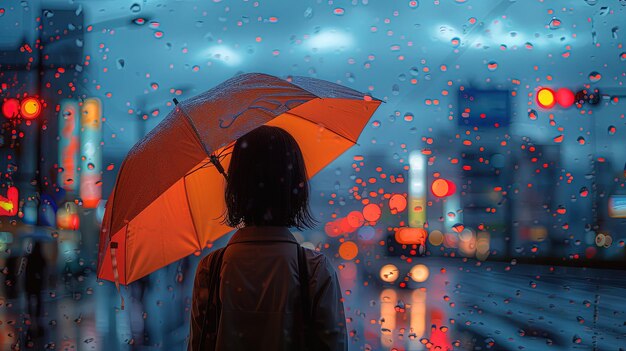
35 283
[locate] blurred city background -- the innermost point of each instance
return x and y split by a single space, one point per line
483 208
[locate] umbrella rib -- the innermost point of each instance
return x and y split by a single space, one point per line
330 129
191 213
193 126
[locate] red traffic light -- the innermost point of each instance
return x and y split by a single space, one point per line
547 98
29 108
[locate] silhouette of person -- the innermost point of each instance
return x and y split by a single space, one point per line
35 281
260 292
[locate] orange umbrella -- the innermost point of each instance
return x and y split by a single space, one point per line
168 196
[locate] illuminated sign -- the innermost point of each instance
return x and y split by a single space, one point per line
417 189
68 144
617 206
9 204
90 152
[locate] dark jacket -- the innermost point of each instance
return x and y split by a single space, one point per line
260 294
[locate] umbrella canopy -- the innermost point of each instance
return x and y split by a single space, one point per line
168 199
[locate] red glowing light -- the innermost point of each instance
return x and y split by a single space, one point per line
565 97
11 108
442 187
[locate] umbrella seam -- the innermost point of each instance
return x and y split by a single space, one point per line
191 213
330 129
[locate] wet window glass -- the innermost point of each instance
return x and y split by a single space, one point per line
467 164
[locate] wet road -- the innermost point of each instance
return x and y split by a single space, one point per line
460 305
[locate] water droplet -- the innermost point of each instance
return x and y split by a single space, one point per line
528 45
622 56
135 8
612 130
139 21
414 4
120 63
154 85
584 191
581 140
2 11
604 10
576 339
456 42
555 23
594 76
376 124
158 34
48 13
532 114
79 43
492 66
591 2
339 11
308 13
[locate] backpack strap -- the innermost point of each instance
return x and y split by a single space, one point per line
215 267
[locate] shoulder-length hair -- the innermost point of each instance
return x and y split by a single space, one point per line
267 182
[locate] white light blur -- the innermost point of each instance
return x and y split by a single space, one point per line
417 189
495 34
222 53
331 39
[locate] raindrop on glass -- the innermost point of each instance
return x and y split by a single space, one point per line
594 76
492 66
612 130
135 8
455 42
604 10
414 4
555 23
308 13
532 114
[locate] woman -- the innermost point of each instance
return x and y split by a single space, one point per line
260 292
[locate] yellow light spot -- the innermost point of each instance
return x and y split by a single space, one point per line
545 98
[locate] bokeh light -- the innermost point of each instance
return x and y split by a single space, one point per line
419 273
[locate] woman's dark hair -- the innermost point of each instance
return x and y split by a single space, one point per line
267 181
